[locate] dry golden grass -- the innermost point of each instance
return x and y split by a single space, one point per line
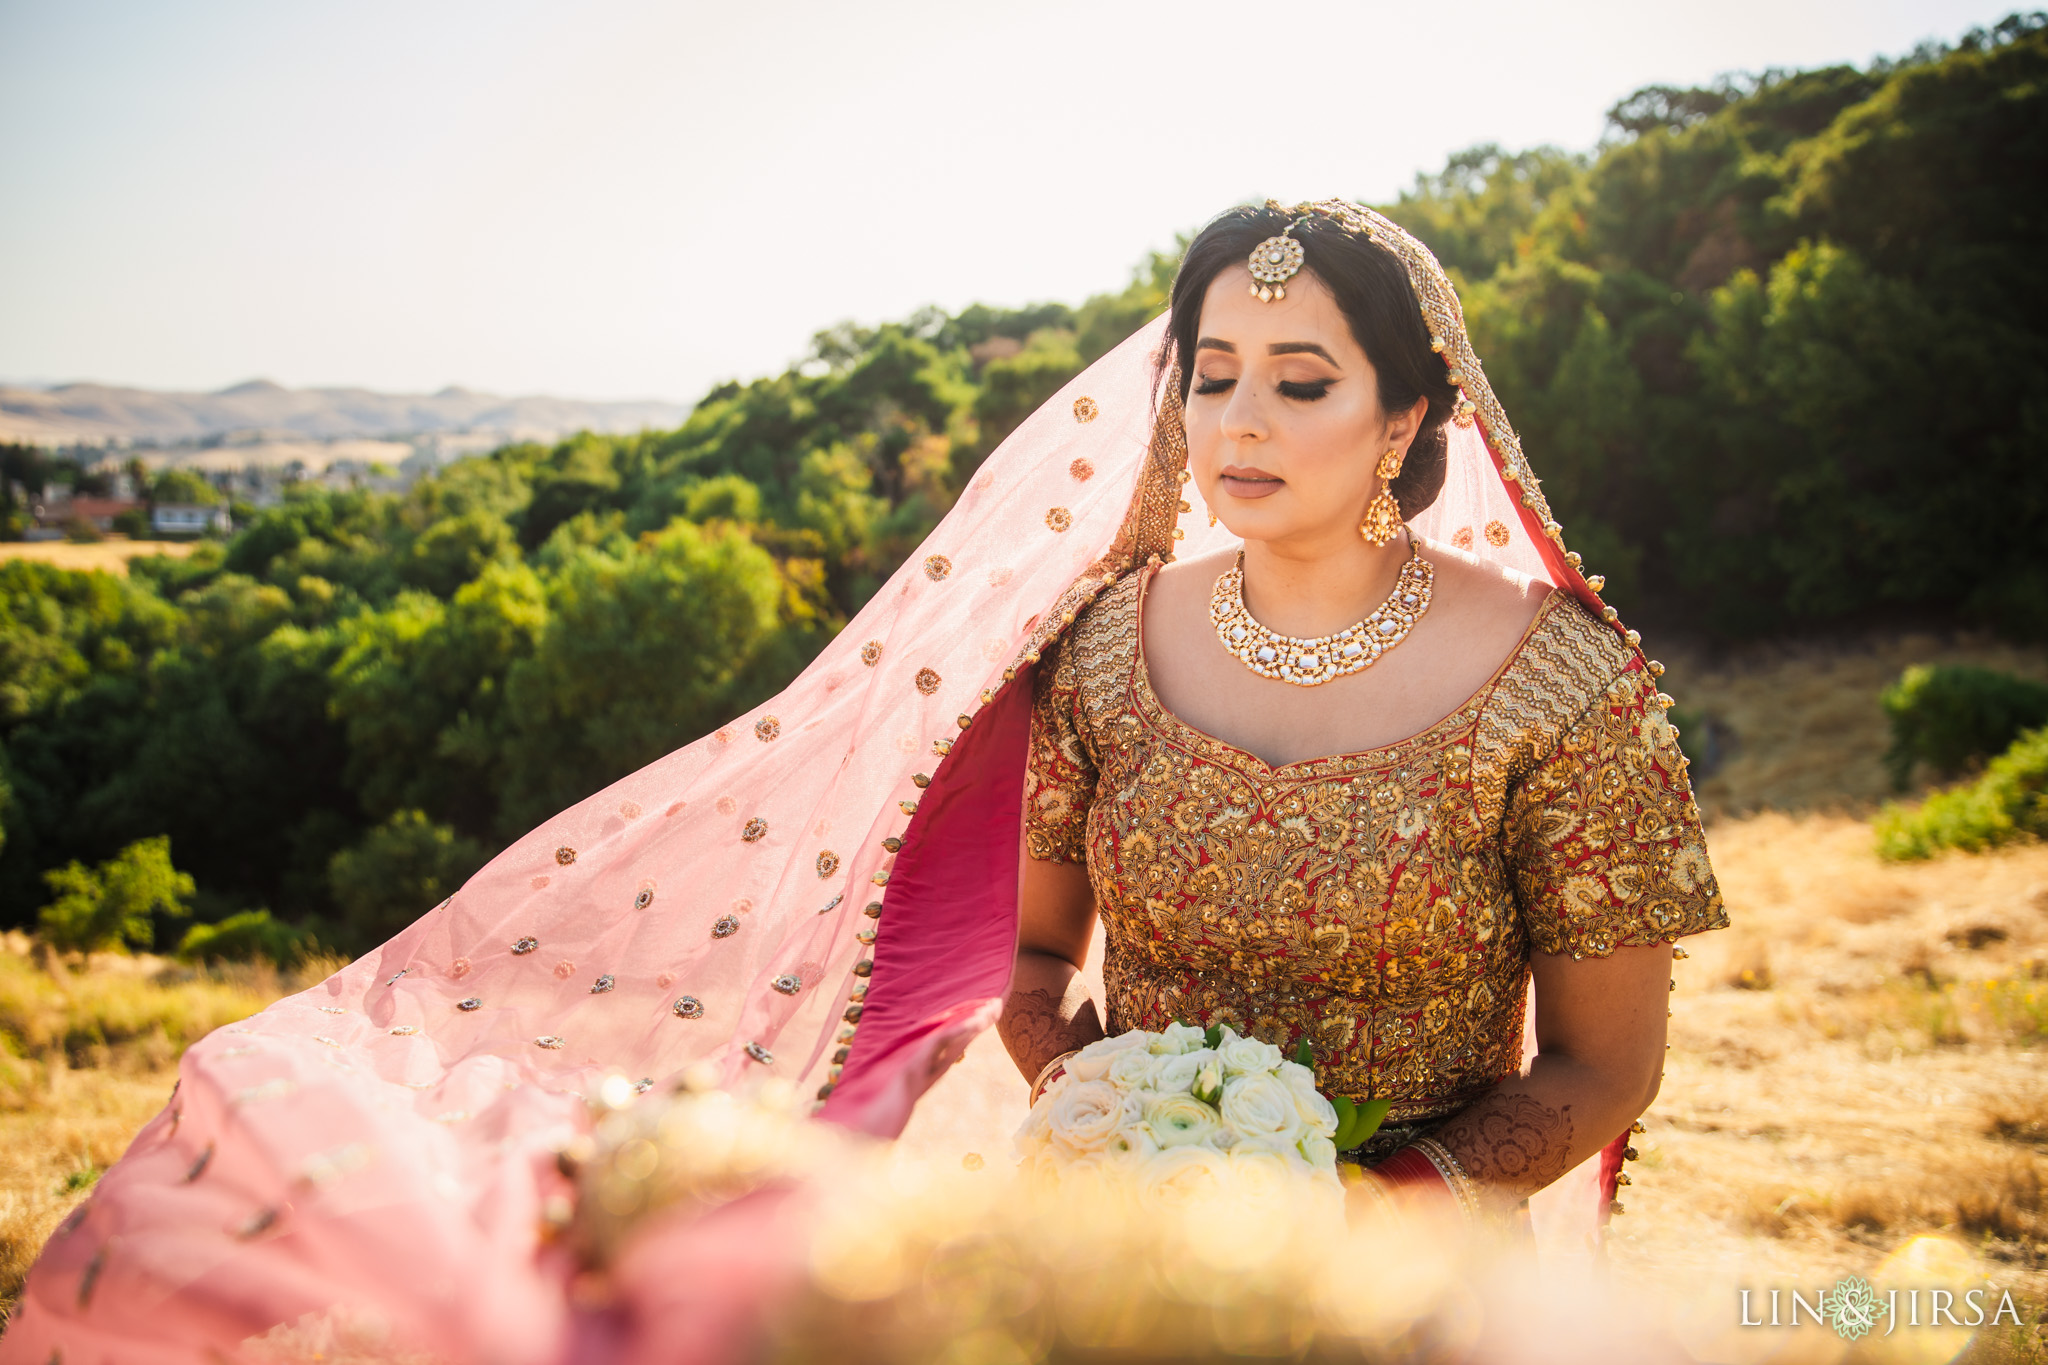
110 556
1857 1062
1808 733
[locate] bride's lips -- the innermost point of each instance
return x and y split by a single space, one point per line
1244 481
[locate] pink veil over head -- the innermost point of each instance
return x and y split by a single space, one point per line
822 893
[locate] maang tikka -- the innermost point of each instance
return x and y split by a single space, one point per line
1383 515
1274 262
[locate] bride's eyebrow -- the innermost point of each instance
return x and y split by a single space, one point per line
1212 344
1301 348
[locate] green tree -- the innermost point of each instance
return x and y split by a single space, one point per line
113 907
183 485
246 937
641 652
455 549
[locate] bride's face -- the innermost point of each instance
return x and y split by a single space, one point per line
1283 415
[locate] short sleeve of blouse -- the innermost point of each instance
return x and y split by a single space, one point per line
1059 777
1605 843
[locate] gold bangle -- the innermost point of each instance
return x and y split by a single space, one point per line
1038 1086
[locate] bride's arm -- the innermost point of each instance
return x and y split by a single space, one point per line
1600 1028
1048 1011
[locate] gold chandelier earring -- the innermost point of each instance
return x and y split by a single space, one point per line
1383 515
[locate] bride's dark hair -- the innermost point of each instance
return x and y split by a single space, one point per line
1372 290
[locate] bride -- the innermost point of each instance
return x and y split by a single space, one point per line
1352 781
1346 785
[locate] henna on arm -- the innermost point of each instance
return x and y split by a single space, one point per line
1048 1010
1600 1051
1041 1020
1511 1143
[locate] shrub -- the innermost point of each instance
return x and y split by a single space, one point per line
245 937
1953 717
111 907
2009 802
401 870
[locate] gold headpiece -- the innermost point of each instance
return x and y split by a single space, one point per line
1274 262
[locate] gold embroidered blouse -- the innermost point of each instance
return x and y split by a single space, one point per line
1381 904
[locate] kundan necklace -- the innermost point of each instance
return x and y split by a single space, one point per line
1307 663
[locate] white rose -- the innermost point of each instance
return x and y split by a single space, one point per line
1133 1141
1179 1073
1134 1068
1179 1120
1246 1056
1092 1062
1260 1106
1315 1109
1319 1152
1085 1115
1178 1038
1259 1173
1185 1173
1208 1083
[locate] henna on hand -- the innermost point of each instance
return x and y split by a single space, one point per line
1511 1143
1038 1026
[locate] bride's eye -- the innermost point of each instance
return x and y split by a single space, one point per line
1308 392
1215 385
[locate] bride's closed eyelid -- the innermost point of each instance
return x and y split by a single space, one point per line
1306 391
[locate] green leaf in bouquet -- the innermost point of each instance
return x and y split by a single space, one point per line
1371 1114
1347 1114
1213 1039
1357 1121
1305 1055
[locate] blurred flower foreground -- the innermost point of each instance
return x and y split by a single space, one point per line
730 1229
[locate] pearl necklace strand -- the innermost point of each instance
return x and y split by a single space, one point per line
1308 663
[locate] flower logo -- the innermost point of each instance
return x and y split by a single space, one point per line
1852 1307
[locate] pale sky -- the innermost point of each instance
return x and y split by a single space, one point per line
611 199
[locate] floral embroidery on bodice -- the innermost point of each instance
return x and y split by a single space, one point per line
1381 904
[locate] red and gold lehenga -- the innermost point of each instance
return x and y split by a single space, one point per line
1381 905
823 894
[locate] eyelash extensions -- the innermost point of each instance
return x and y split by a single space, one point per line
1305 392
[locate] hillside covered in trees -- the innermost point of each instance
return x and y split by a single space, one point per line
1777 348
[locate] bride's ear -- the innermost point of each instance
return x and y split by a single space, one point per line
1402 426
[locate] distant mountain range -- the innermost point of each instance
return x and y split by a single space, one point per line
102 414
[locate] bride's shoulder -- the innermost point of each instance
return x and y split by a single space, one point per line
1486 598
1576 655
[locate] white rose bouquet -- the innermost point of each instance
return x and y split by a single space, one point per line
1188 1109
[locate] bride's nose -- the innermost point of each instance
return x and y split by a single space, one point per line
1244 416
